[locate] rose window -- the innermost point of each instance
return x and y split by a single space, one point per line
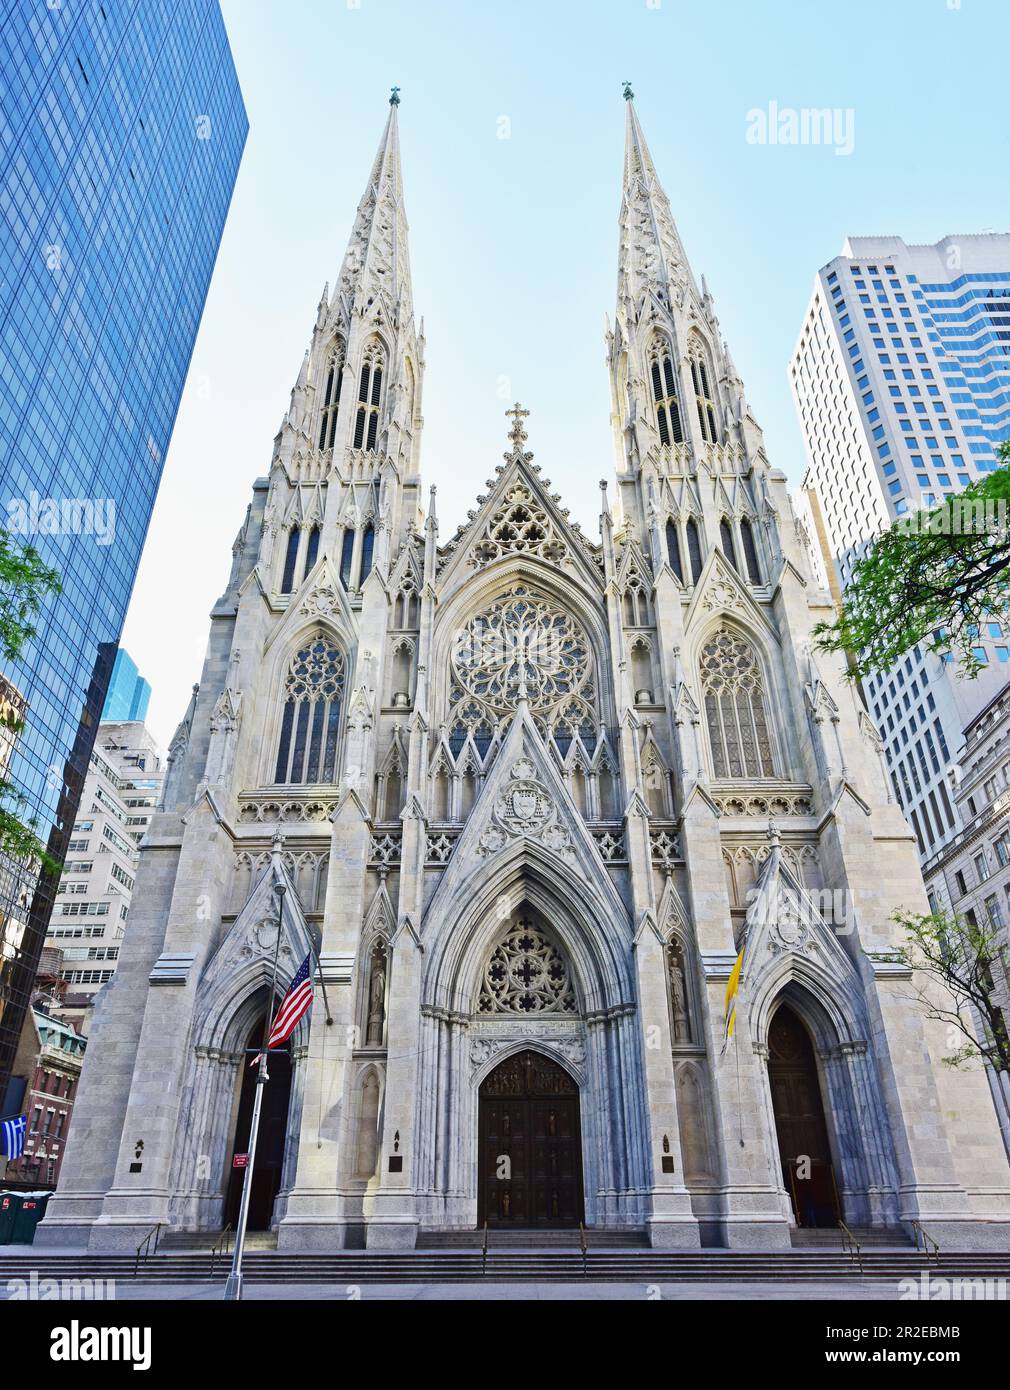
526 974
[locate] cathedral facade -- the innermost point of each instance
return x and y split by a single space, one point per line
526 798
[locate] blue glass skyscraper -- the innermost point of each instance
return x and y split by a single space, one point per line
121 130
129 694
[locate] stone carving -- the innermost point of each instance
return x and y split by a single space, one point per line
525 808
526 974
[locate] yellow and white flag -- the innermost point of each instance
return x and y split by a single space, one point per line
732 985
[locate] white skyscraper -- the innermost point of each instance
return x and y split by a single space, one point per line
901 377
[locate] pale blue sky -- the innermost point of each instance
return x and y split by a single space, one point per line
513 242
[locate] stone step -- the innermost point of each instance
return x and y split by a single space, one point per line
868 1237
569 1239
464 1266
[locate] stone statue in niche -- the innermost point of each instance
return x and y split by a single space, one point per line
376 1024
678 993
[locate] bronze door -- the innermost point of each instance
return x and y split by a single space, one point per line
799 1121
530 1145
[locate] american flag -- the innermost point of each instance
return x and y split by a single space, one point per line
293 1005
14 1136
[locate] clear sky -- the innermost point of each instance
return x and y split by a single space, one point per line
514 241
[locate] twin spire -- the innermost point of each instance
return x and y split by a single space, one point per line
651 256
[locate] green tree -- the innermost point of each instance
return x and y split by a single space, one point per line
958 953
25 581
933 577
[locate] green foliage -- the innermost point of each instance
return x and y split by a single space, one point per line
24 582
959 955
934 577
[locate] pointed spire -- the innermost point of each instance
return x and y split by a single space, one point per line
651 253
376 262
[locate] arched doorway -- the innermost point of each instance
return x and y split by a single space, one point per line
529 1145
266 1178
800 1123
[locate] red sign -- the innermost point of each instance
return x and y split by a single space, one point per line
240 1161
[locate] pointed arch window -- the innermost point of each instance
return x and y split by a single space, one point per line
750 551
726 540
311 551
735 708
331 396
705 400
290 560
673 550
367 550
694 548
366 422
346 557
310 723
664 393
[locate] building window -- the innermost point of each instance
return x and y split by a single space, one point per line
962 887
310 724
750 551
664 393
735 712
331 396
346 557
726 541
694 548
981 867
367 548
311 552
704 398
366 423
673 550
290 560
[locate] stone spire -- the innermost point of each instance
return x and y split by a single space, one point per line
376 265
651 254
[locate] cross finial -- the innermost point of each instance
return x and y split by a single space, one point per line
394 96
517 434
629 95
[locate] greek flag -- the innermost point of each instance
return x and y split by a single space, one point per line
14 1136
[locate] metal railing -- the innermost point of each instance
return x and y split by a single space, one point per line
144 1248
584 1247
851 1245
483 1253
220 1247
930 1247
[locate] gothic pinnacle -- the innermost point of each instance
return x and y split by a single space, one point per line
517 434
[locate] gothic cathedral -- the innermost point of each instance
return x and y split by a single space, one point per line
527 796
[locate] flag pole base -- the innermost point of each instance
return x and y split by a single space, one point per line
233 1289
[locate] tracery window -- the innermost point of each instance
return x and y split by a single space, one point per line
664 393
366 422
367 549
735 711
310 724
522 645
331 396
526 974
704 398
311 551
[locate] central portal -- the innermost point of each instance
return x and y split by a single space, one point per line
530 1145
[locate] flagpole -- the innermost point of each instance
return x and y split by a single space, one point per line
233 1287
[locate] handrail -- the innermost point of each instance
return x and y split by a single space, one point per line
220 1247
483 1262
930 1247
144 1248
584 1244
851 1244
